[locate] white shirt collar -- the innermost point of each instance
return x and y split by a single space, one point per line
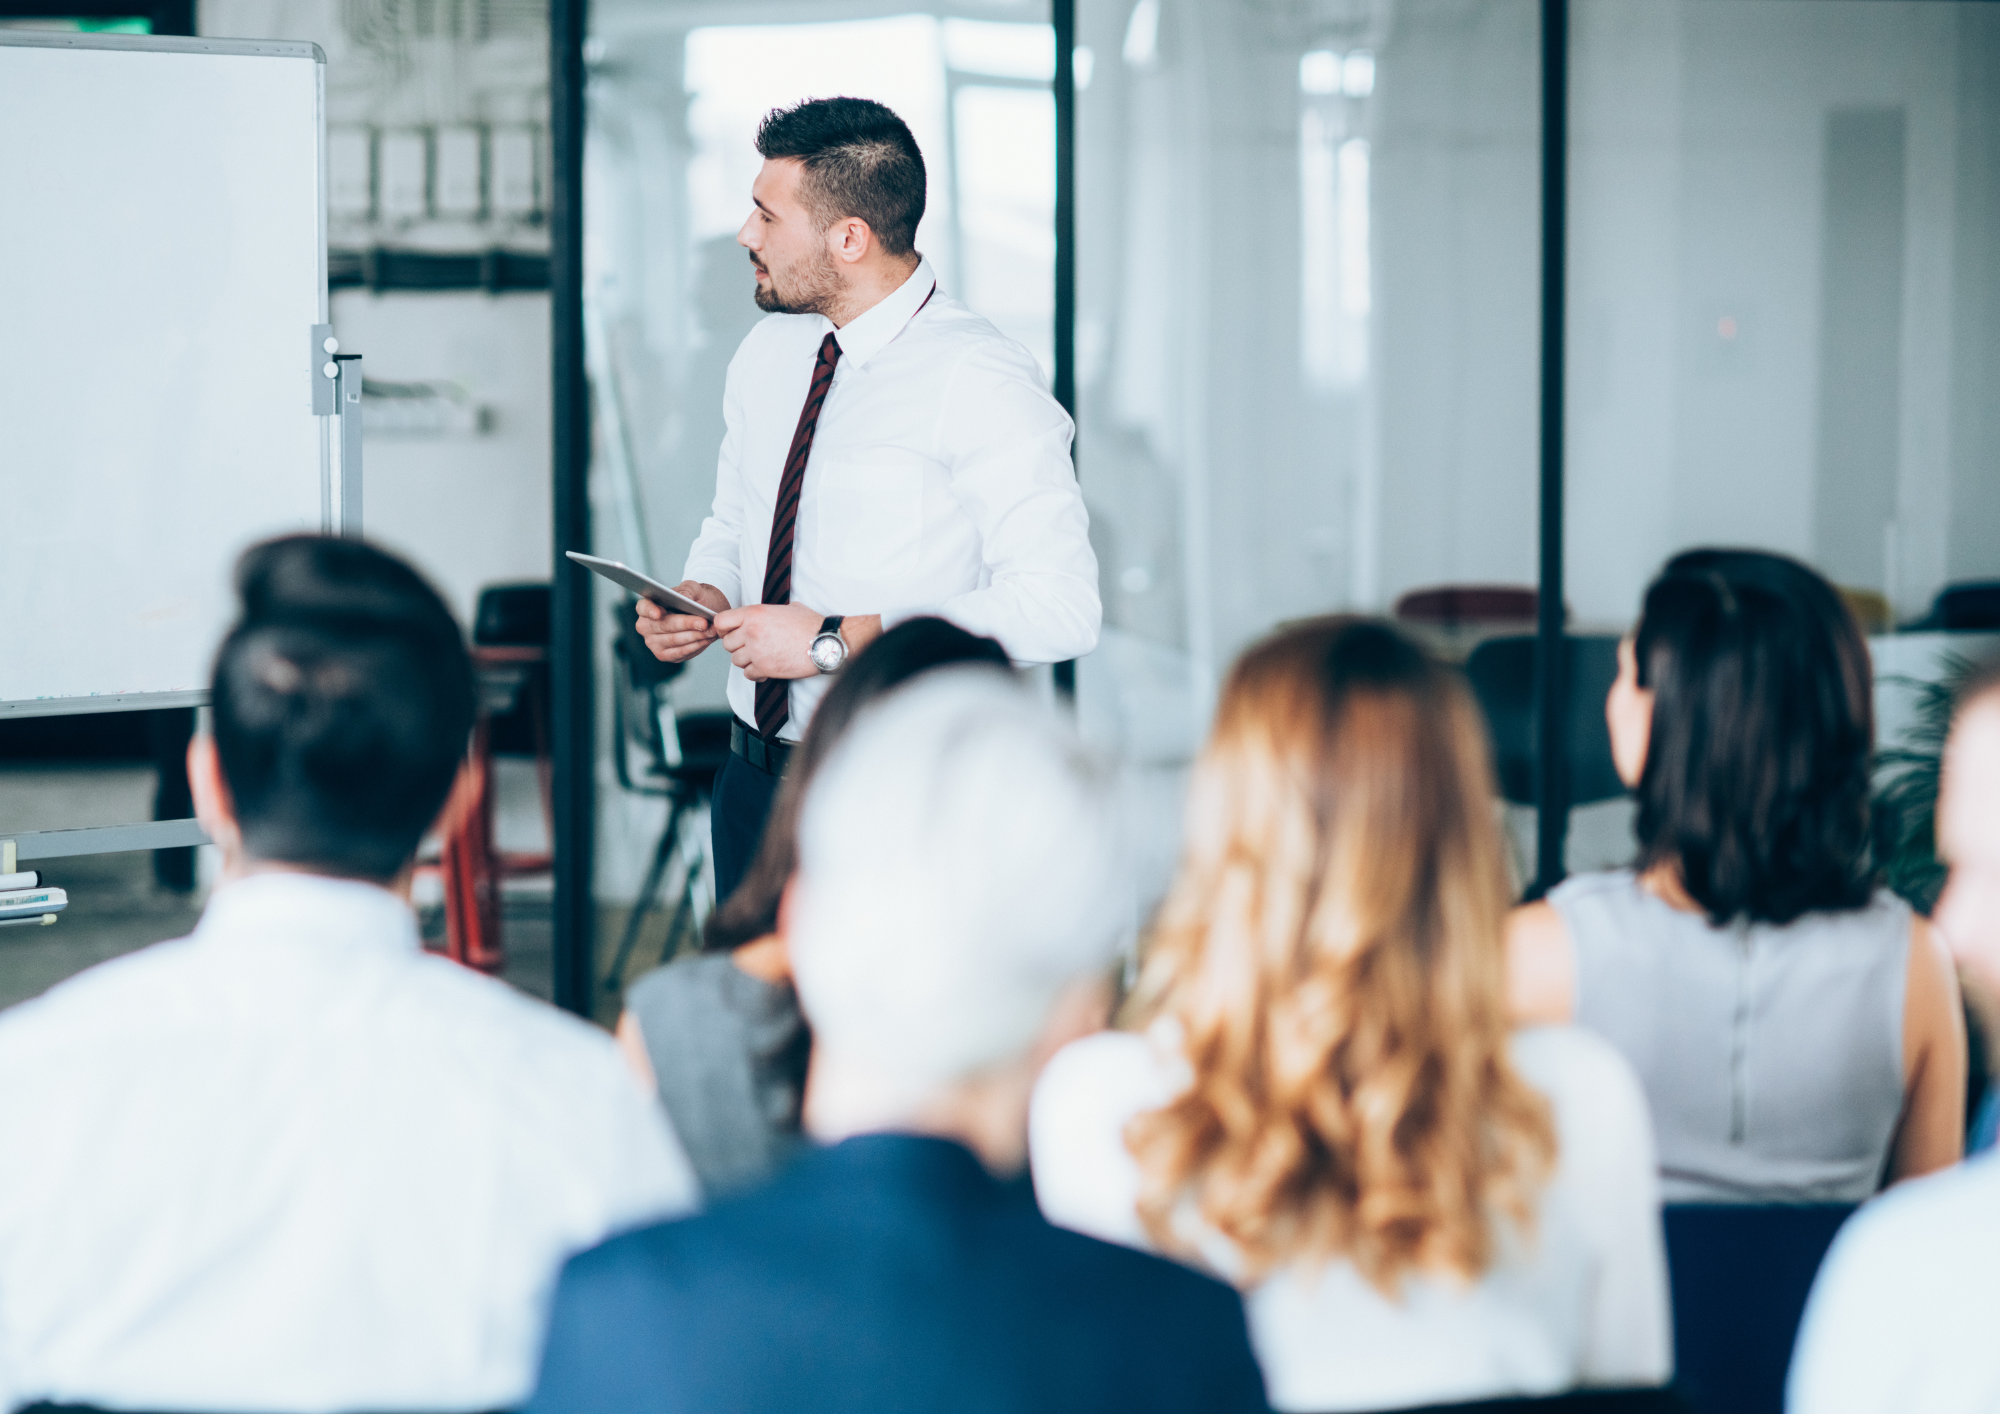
868 333
285 907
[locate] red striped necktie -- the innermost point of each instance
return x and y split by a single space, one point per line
774 694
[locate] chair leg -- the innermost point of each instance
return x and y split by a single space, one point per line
663 852
684 912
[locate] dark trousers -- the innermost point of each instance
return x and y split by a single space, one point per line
741 805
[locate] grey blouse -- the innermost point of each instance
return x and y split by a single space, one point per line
726 1052
1772 1057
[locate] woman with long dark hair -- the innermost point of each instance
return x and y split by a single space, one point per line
1797 1028
719 1034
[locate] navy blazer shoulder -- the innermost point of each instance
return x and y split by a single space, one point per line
888 1273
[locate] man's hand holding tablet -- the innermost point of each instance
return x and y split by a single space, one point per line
674 638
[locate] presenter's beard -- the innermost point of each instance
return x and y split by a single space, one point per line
812 287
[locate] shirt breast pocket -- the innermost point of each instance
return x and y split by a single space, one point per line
870 522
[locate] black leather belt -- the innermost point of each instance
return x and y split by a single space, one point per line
770 757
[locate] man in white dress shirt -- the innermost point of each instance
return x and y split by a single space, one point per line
1904 1315
887 453
291 1162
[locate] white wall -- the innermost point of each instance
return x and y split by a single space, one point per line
471 509
1698 195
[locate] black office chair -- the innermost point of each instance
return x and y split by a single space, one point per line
1962 608
658 752
1502 672
1576 1401
1740 1276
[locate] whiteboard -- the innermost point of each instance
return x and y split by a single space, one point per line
162 263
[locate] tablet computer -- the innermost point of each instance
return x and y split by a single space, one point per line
627 578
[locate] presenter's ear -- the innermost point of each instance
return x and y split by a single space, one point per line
212 804
849 240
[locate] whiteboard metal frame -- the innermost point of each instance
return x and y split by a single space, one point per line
180 44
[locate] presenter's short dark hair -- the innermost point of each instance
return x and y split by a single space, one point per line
860 161
343 697
1756 777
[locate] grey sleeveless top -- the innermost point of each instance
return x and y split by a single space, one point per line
725 1051
1772 1057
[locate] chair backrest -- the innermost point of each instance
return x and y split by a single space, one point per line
1964 607
1576 1401
1449 605
641 714
675 750
1502 672
513 614
1740 1276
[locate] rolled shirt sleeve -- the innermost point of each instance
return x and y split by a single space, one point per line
717 556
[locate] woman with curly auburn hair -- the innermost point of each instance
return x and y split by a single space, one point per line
1796 1028
1324 1102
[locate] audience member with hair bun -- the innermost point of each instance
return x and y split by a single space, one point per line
1324 1103
293 1161
1901 1319
1796 1028
719 1035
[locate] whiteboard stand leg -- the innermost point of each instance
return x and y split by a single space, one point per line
326 475
349 393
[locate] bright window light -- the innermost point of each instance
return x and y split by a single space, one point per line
1142 35
1011 51
1358 74
1083 63
1319 72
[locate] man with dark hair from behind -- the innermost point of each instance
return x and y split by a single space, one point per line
291 1162
887 453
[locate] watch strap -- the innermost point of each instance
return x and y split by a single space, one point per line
832 626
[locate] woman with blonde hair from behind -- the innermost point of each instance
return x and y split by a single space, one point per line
1324 1103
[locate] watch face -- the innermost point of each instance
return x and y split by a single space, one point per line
827 652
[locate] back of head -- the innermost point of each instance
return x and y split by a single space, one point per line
1330 958
911 648
342 699
1756 782
860 161
958 869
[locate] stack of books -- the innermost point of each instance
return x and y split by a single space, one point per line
24 900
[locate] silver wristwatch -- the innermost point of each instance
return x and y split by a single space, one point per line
829 649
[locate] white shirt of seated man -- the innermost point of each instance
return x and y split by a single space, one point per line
293 1162
1903 1315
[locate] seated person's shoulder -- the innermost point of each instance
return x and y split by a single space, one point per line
158 982
1597 1098
1178 1332
1120 1067
472 1007
1926 1227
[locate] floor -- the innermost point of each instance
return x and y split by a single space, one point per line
116 907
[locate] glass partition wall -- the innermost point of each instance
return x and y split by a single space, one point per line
1784 318
1308 302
